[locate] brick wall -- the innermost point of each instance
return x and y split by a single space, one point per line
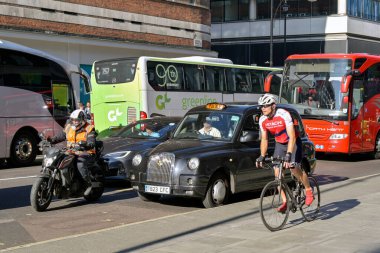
178 24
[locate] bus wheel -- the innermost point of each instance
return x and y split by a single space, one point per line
376 152
23 149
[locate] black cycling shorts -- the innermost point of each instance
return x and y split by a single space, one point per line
281 149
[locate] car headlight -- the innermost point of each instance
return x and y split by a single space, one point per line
48 161
338 136
136 160
193 163
118 155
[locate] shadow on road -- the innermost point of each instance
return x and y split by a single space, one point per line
15 197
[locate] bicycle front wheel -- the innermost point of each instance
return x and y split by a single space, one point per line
270 201
310 212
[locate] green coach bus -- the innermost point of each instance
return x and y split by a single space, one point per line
128 89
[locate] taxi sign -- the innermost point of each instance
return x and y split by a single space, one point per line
215 106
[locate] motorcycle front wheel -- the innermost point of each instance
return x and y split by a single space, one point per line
40 197
95 194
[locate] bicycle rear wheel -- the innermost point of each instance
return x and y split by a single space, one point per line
310 212
270 200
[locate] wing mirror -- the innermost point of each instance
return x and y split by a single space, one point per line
346 80
249 136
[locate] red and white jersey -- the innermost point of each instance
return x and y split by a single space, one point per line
277 125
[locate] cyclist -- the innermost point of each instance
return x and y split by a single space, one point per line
279 123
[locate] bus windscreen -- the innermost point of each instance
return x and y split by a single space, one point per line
115 71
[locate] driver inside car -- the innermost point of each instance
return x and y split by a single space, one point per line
208 129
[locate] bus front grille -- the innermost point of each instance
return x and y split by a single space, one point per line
160 167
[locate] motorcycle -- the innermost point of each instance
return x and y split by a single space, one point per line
60 177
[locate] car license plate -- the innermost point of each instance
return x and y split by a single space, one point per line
157 189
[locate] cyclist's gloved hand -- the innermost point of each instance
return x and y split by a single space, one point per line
259 161
288 157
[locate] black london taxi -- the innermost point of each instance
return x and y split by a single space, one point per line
211 155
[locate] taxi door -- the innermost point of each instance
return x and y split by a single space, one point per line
248 176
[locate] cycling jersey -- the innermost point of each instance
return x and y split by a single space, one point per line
277 125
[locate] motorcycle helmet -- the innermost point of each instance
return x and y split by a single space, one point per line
267 99
77 119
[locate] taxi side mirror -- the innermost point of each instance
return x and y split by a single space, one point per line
249 136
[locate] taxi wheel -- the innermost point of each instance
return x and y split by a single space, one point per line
218 191
148 197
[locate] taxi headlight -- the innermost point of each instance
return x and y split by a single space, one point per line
136 160
118 155
193 163
338 136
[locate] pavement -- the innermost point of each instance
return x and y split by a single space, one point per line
348 221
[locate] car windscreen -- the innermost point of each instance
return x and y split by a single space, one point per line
147 130
214 125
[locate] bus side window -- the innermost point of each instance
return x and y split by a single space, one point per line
194 78
214 79
256 80
242 80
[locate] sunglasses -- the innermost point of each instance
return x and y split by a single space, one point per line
266 106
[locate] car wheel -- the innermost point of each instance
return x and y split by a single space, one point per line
148 197
23 149
218 191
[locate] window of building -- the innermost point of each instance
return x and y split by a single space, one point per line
365 9
233 10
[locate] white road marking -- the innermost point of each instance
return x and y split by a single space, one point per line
15 178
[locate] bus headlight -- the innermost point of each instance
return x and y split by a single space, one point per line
338 136
193 163
136 160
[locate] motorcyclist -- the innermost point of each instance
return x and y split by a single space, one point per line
80 137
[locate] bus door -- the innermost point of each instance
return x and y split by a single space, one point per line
357 116
63 103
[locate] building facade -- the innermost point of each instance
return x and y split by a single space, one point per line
83 31
241 29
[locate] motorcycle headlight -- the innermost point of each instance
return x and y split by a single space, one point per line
118 155
193 163
48 161
136 160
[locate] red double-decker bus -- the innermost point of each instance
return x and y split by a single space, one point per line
338 97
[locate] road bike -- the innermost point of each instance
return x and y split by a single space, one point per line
271 200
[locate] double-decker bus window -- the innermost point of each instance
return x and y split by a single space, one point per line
214 78
116 71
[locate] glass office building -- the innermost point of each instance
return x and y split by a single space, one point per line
240 29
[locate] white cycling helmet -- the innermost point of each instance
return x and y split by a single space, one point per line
77 119
267 99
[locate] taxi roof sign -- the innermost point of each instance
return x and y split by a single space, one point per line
216 106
